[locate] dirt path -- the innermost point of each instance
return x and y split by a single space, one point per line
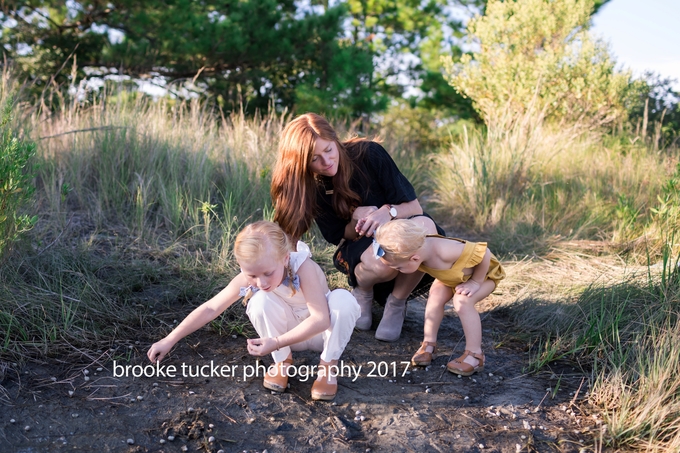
421 410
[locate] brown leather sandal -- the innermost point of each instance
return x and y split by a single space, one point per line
422 357
275 379
458 366
322 389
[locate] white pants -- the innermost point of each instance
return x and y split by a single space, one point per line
272 316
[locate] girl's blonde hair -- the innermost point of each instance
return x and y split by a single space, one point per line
259 238
400 238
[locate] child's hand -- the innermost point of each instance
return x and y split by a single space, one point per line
261 346
468 288
158 350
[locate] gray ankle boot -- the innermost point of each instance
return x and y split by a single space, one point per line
365 300
389 328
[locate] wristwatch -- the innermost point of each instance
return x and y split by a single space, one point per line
392 211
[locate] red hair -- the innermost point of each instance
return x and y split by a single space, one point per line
294 186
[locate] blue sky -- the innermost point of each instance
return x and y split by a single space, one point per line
643 35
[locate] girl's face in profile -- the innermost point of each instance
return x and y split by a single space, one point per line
266 273
405 266
325 158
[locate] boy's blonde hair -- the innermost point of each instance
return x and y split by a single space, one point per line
259 238
400 238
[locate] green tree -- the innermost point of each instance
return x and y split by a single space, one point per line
539 53
251 52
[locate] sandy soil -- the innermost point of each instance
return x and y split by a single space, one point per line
56 406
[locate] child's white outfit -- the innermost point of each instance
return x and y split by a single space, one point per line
277 312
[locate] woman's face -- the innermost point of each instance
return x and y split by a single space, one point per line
325 158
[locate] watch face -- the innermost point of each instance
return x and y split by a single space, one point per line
393 211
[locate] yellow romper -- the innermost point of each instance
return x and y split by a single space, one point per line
472 255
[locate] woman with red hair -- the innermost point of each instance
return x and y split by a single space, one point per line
349 188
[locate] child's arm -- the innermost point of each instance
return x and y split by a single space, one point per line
314 287
201 316
478 276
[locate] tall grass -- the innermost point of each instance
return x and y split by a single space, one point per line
522 180
627 335
138 203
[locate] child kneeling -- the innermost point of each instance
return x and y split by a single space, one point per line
289 304
466 272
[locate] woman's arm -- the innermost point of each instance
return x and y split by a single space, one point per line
368 224
199 317
314 287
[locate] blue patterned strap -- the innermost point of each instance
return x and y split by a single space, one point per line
243 292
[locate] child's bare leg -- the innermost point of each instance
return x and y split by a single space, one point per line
469 318
440 294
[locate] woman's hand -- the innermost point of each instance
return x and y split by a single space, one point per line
158 350
367 225
262 346
468 288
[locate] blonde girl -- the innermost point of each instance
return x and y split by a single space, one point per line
289 305
464 271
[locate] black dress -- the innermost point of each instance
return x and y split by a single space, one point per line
378 182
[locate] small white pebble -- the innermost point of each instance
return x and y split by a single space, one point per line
457 436
74 415
357 418
191 409
505 426
184 448
466 398
140 398
53 379
211 439
380 433
155 384
27 428
362 418
548 389
171 438
428 390
191 392
11 420
130 347
490 374
526 411
475 380
211 426
234 336
403 401
100 369
70 393
86 372
132 400
131 441
162 441
518 448
481 446
220 451
522 437
460 377
358 412
87 378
